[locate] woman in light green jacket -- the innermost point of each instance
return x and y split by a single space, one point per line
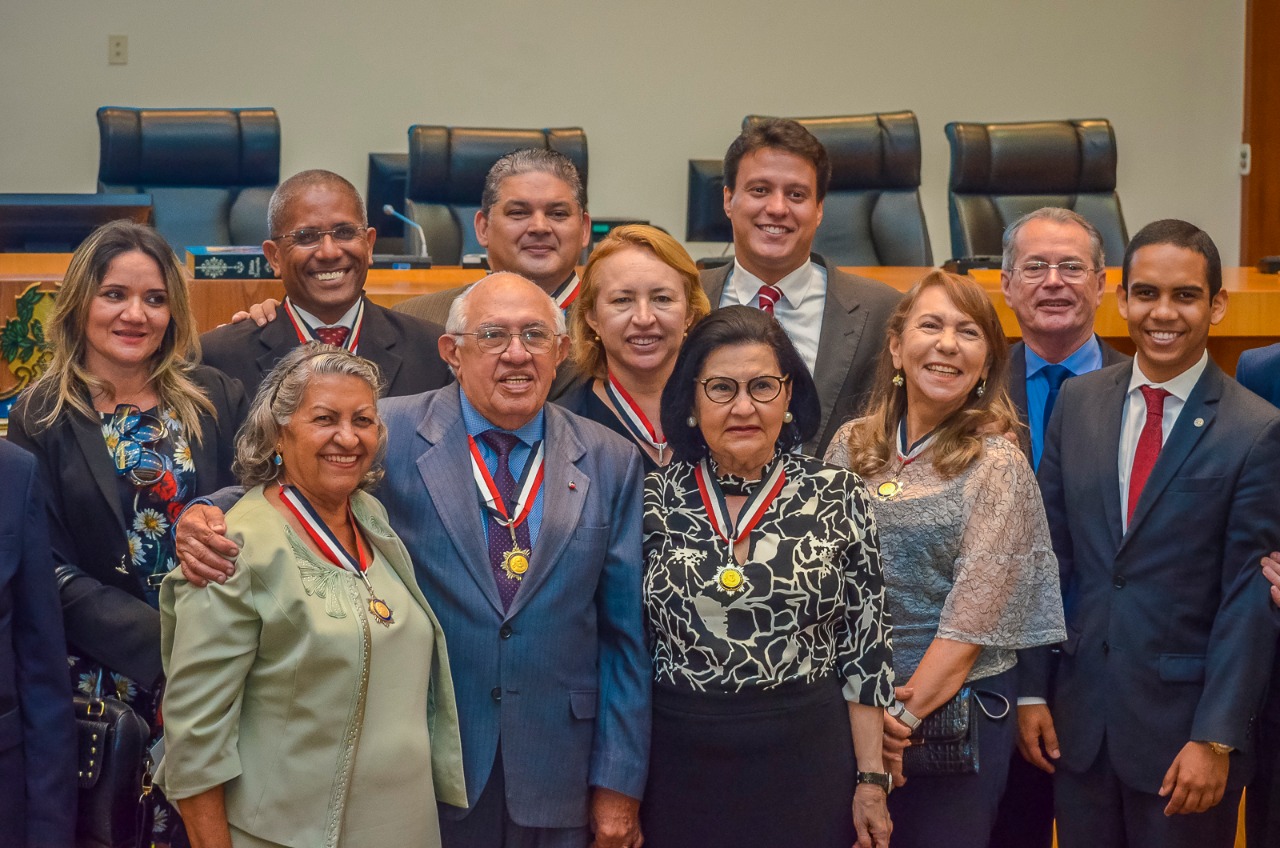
309 700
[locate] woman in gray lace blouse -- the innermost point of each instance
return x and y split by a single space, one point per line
969 569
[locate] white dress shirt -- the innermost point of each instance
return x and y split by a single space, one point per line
1134 416
347 320
804 295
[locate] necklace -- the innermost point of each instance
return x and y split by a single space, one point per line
327 541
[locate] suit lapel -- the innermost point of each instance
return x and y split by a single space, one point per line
1106 449
1195 419
1018 379
838 341
377 340
445 467
713 283
561 506
278 338
94 449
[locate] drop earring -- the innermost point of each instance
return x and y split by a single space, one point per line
982 388
276 459
899 380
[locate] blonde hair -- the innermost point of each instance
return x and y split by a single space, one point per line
588 351
959 438
70 384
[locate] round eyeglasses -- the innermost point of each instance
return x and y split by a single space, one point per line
311 236
497 340
761 389
133 455
1071 273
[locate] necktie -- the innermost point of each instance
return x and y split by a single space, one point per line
1144 458
1055 374
332 335
769 295
499 536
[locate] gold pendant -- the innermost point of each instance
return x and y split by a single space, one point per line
381 611
889 489
731 578
515 563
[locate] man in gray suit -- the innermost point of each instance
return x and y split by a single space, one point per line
543 614
775 179
1160 481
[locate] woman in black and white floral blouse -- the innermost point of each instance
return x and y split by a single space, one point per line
765 610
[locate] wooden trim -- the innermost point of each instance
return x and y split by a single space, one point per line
1260 190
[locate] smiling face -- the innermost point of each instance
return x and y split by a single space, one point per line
128 316
535 229
742 433
942 354
507 388
331 441
1168 308
775 212
640 312
327 278
1055 318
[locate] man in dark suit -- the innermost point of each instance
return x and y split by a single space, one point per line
37 733
320 248
1160 480
775 179
1053 276
1259 371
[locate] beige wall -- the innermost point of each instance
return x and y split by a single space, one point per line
653 82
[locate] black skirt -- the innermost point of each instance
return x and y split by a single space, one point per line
762 768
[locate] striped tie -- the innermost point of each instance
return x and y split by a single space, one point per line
769 295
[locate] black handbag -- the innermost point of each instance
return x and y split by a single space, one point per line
114 773
946 742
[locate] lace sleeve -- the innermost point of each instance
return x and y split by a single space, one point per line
838 451
866 656
1006 591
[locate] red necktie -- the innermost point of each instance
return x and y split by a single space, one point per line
332 335
1144 458
769 295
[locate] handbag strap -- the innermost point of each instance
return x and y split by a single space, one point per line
994 716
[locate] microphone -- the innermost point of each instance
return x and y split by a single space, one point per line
388 209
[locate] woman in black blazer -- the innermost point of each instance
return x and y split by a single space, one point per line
126 429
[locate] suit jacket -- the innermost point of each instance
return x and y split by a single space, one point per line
1018 383
265 682
406 350
564 677
37 733
1259 371
1169 629
849 342
104 609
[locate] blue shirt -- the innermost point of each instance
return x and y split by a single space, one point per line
1087 357
529 435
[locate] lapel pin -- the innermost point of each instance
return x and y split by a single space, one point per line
573 487
1199 422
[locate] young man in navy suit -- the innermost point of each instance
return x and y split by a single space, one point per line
1160 480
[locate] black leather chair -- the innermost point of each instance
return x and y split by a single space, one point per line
210 172
872 213
999 172
447 167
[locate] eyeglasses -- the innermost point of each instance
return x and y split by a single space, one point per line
762 389
1071 273
132 455
310 236
497 340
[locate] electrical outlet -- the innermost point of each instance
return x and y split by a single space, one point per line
1246 159
117 49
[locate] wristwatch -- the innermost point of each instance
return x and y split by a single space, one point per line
876 778
1219 748
899 711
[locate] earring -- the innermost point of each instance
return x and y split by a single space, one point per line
276 459
691 421
787 417
982 388
899 380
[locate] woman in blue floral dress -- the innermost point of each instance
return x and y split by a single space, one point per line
127 429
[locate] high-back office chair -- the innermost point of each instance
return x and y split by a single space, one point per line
999 172
872 213
210 172
447 167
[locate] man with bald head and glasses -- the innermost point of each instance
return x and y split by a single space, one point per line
320 247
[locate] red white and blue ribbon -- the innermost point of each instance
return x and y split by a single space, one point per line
325 539
634 418
307 334
752 511
527 487
568 292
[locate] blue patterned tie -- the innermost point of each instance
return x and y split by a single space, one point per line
499 536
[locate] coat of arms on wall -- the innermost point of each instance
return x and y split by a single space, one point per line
24 351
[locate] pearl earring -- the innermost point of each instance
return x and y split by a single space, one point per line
691 421
787 417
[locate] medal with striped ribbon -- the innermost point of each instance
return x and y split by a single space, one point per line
730 576
306 333
515 562
634 418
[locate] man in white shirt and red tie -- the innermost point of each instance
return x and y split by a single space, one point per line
1160 480
775 179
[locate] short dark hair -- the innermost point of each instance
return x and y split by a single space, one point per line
778 134
288 191
532 160
1179 234
727 327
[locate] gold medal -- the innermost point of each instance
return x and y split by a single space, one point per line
380 610
731 578
889 489
515 563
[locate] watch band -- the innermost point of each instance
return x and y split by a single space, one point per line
876 778
1219 748
899 711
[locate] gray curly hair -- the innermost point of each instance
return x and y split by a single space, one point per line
279 398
